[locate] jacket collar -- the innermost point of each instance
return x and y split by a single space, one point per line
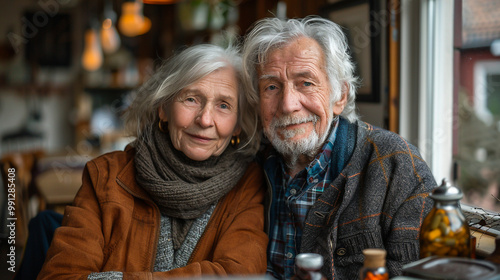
126 177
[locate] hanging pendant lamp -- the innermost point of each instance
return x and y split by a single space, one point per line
160 2
132 22
110 39
92 53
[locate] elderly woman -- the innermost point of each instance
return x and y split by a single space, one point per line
184 199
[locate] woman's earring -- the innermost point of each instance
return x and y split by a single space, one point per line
159 126
235 140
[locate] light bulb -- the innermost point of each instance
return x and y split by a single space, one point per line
132 22
110 39
159 2
92 53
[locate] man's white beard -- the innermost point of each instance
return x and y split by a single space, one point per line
292 150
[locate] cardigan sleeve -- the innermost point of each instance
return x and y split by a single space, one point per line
385 198
407 204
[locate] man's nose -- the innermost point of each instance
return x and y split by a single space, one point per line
205 118
290 100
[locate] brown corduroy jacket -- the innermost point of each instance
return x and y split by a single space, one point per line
113 225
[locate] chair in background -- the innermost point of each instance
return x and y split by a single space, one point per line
58 180
27 199
41 231
44 184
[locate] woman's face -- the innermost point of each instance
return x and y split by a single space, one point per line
204 115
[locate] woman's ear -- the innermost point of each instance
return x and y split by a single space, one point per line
237 131
162 114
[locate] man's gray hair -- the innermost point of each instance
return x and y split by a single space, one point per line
182 70
272 33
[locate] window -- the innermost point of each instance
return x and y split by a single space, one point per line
478 155
478 97
449 72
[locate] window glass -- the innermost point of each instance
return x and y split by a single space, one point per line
493 94
478 112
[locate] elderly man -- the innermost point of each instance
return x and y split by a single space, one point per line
339 185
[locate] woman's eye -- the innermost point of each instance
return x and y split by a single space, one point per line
191 102
225 106
272 87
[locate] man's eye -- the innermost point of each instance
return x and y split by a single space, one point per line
224 106
190 99
307 84
272 87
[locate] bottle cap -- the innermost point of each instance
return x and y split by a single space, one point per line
446 192
374 258
309 261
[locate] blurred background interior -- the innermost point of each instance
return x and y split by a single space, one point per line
430 71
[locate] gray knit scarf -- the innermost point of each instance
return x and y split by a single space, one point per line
183 188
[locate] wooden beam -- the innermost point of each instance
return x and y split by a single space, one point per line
394 60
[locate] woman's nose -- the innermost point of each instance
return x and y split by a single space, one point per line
205 118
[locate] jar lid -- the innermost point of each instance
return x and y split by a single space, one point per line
374 257
446 192
309 260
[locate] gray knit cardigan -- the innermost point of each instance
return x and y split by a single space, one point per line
384 197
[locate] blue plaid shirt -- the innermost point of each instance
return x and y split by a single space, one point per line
292 198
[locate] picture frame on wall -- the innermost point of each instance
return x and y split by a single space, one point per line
50 43
362 28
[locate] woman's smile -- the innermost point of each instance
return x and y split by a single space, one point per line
200 138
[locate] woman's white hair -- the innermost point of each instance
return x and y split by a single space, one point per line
182 70
271 33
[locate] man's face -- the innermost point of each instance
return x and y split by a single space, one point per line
295 105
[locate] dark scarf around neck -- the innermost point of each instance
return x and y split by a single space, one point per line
183 188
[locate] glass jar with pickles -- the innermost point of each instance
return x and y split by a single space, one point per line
445 231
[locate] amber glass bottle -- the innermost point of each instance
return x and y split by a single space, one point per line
445 231
374 265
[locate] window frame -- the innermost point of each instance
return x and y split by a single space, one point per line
427 53
482 69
